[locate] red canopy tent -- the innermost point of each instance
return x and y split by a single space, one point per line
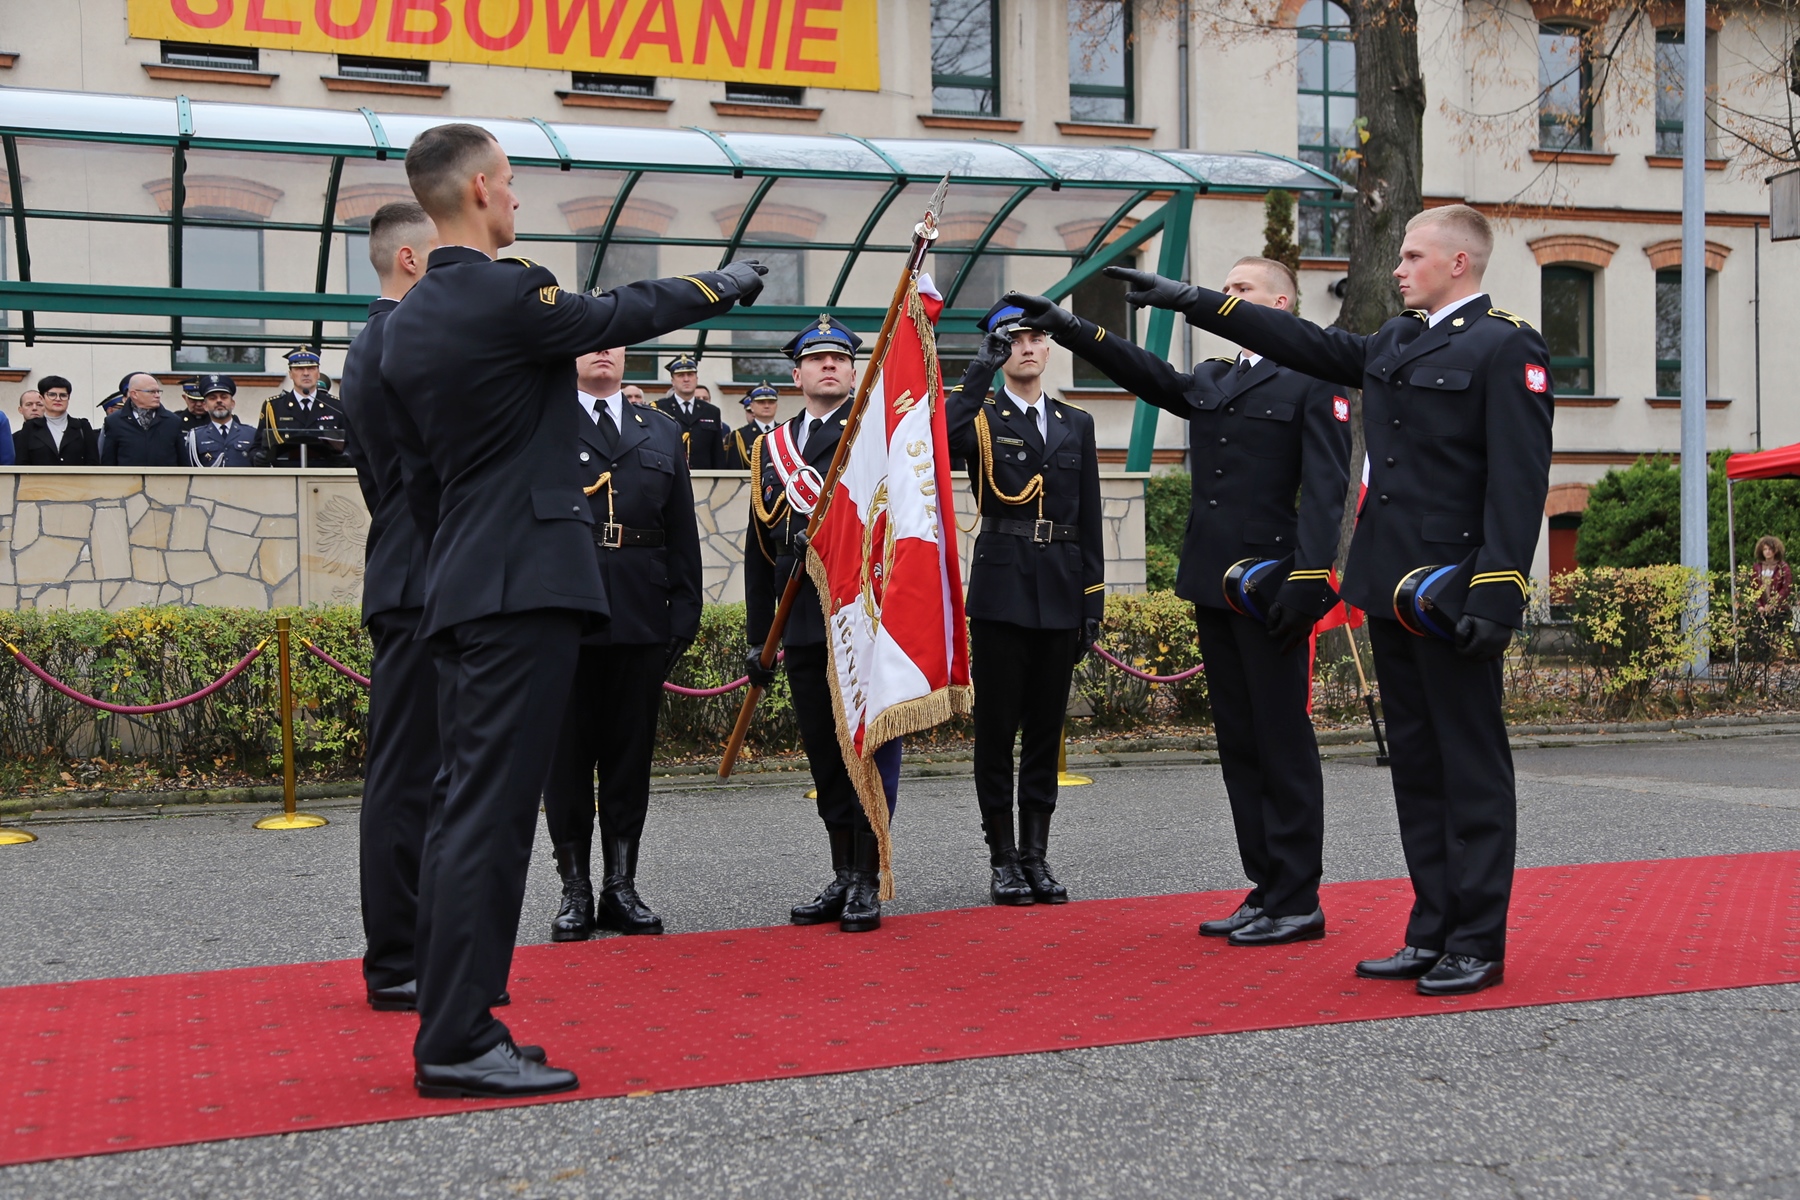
1783 462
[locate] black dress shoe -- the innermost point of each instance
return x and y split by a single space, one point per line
862 899
1408 962
828 905
1226 926
621 909
402 997
1279 931
1460 974
500 1074
502 1000
532 1053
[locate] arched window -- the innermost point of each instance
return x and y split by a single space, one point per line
1326 65
1568 328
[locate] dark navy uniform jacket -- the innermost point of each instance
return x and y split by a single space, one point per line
1039 584
737 446
481 356
233 446
394 556
1457 422
279 431
769 551
646 538
705 432
1257 439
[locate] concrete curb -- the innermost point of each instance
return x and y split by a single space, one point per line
1354 742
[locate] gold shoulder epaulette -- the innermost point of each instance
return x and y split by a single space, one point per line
513 258
1521 322
1420 313
1224 358
1076 407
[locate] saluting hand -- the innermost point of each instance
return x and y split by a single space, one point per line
747 275
1150 290
996 348
1481 639
1043 313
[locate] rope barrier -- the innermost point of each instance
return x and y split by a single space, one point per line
333 663
137 710
1145 675
708 693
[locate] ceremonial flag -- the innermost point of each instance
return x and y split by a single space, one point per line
884 562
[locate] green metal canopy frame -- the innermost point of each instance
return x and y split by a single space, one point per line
1168 180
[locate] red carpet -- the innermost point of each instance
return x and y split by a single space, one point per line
124 1064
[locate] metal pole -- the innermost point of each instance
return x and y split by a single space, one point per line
1693 318
1186 138
289 819
1063 778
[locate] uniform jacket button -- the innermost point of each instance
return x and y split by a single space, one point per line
1218 474
1221 441
1384 498
1230 409
584 456
1212 504
1396 422
575 508
1390 460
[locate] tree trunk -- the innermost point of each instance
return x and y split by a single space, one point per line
1390 97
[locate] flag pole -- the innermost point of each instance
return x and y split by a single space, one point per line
924 234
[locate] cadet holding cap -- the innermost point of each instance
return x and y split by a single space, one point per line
1456 413
303 426
788 468
702 427
1036 587
1259 435
223 440
760 402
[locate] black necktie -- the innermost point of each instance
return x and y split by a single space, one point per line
1243 367
812 429
609 432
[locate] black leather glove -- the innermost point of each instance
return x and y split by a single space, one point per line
760 676
1481 639
1043 313
1150 290
996 348
747 274
677 648
1288 626
1090 633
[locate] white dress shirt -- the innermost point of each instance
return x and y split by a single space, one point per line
1432 320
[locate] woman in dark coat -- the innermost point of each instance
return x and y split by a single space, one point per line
55 439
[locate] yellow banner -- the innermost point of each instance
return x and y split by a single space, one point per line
803 43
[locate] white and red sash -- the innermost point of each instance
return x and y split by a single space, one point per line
799 479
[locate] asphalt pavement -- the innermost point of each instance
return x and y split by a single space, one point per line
1679 1096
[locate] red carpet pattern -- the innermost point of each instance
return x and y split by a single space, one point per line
125 1064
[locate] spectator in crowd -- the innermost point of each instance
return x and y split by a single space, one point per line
56 439
633 393
31 404
6 440
194 415
141 432
1775 579
223 441
703 393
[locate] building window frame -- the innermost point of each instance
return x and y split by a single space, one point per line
195 352
383 70
765 93
1126 92
988 105
602 83
1564 366
201 57
1670 130
1556 133
1318 218
1668 331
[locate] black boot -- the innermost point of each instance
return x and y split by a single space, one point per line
575 919
1034 839
620 908
862 900
1009 885
828 905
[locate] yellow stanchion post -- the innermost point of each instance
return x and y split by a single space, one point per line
1063 778
15 837
289 819
811 794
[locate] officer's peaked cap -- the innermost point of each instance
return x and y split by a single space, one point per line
302 356
191 387
827 335
683 362
217 383
761 391
1002 318
112 401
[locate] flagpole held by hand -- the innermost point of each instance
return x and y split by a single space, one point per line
924 234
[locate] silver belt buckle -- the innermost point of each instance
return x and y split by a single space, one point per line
1043 531
611 536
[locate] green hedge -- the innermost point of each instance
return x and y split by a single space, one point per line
1633 517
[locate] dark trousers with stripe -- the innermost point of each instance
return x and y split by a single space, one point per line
503 682
1021 679
1453 789
1269 758
399 777
608 734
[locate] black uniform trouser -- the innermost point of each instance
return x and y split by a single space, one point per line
1453 789
503 684
609 727
1269 758
1021 679
808 669
398 781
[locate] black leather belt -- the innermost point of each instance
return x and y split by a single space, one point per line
611 537
1037 531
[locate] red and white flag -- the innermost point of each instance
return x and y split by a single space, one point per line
884 562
